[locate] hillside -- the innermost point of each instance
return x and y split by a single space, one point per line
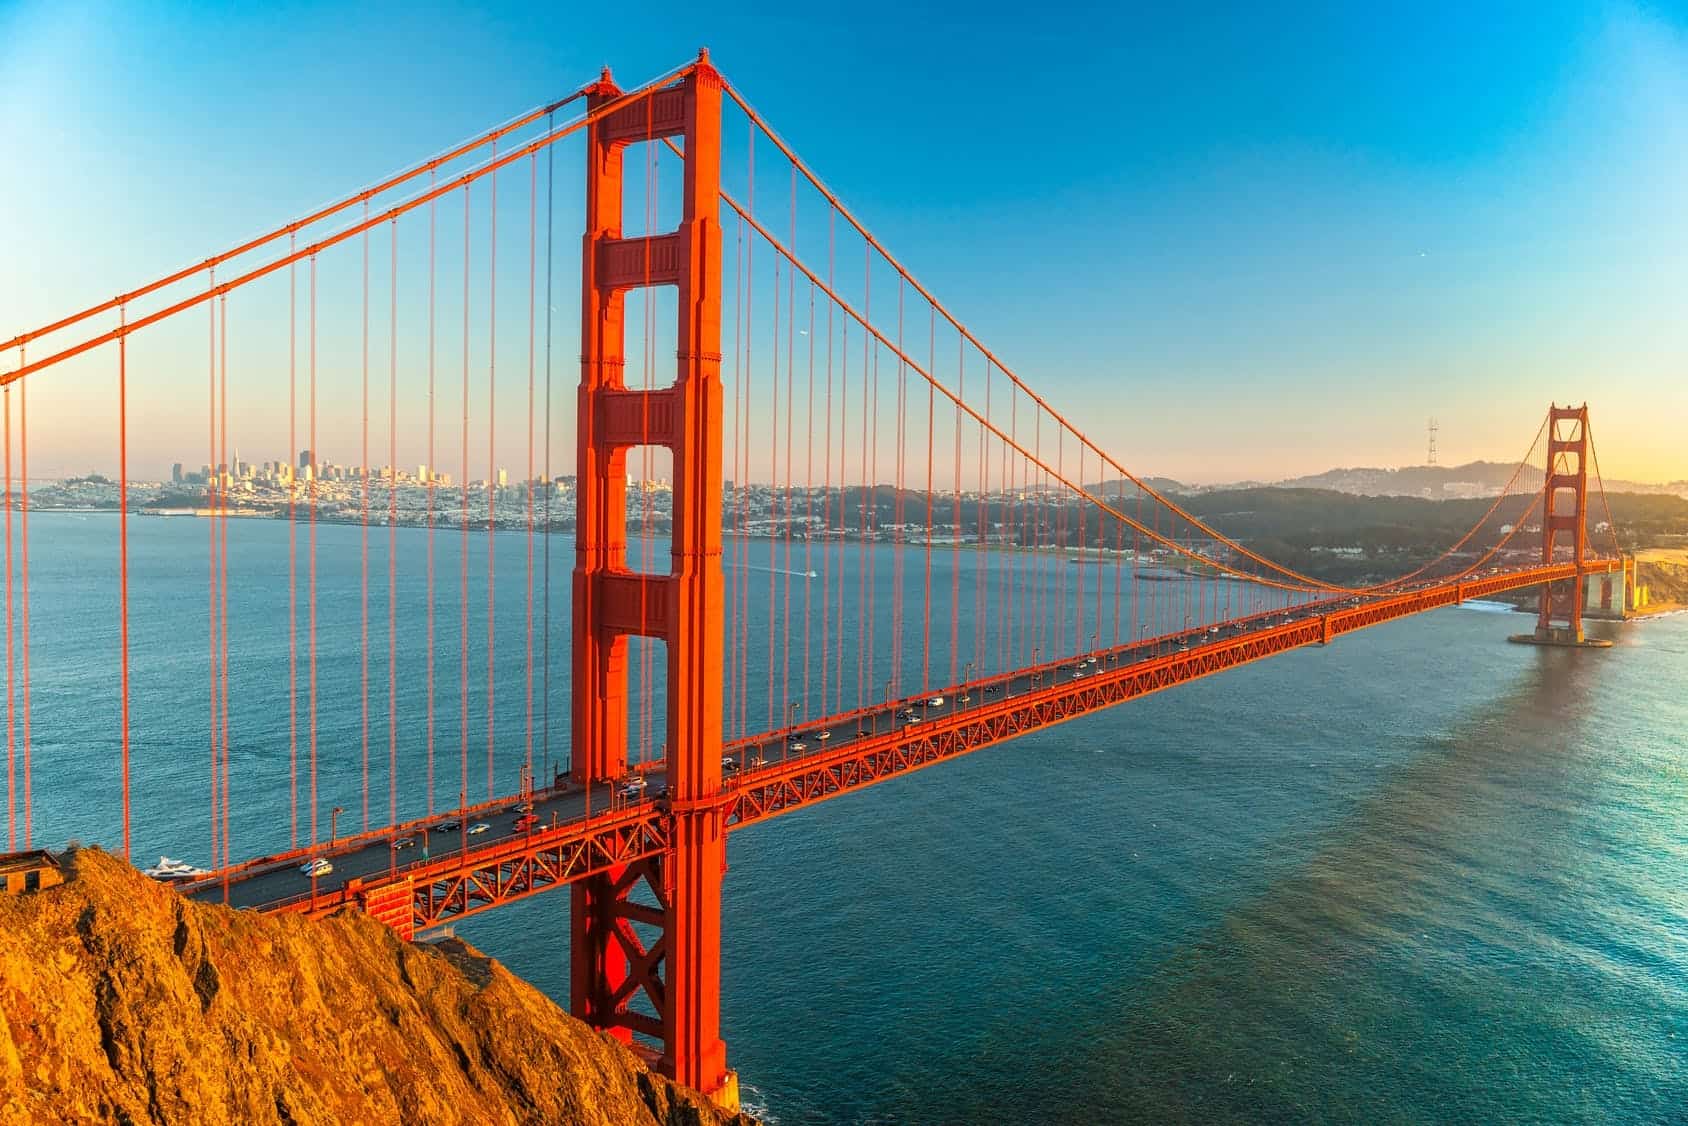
122 1002
1434 482
1475 479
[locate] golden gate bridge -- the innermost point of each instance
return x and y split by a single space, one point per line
885 549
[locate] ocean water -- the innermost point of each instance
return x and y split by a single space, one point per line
1419 876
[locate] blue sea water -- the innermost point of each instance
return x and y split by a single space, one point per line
1419 876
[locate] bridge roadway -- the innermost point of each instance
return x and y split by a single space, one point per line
447 873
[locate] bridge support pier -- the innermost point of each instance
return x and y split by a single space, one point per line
674 965
1564 523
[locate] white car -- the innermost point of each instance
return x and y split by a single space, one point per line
935 702
478 828
822 736
798 745
317 866
633 788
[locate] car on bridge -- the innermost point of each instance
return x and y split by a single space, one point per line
316 866
478 828
448 826
404 842
526 821
633 788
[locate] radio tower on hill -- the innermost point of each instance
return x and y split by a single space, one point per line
1432 460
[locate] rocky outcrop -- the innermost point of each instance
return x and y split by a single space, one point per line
122 1002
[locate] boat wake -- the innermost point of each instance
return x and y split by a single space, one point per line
782 571
1487 607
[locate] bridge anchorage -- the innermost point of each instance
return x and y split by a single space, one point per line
1059 596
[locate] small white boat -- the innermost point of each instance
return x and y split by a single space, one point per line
167 869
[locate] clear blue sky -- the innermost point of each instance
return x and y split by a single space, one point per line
1244 242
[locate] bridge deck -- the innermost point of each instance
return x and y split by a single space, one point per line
582 831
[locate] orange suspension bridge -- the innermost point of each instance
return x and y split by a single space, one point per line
884 547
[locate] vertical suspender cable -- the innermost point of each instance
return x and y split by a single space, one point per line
867 678
433 474
223 578
749 368
790 389
463 540
223 558
213 482
545 627
736 517
843 489
311 548
826 483
897 506
808 517
491 457
292 551
955 527
533 293
773 493
1079 635
11 742
363 535
931 434
393 532
122 558
22 453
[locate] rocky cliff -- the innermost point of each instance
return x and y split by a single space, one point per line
122 1002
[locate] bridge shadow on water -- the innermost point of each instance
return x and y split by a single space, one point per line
1455 949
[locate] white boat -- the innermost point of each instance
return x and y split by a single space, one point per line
167 869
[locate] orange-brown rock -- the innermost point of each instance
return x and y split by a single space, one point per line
122 1002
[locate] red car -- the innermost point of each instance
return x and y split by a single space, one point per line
526 821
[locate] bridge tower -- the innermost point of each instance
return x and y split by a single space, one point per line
1565 522
679 972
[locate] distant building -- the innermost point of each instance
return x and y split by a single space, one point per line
503 479
176 473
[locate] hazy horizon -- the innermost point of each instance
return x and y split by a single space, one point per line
1284 267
